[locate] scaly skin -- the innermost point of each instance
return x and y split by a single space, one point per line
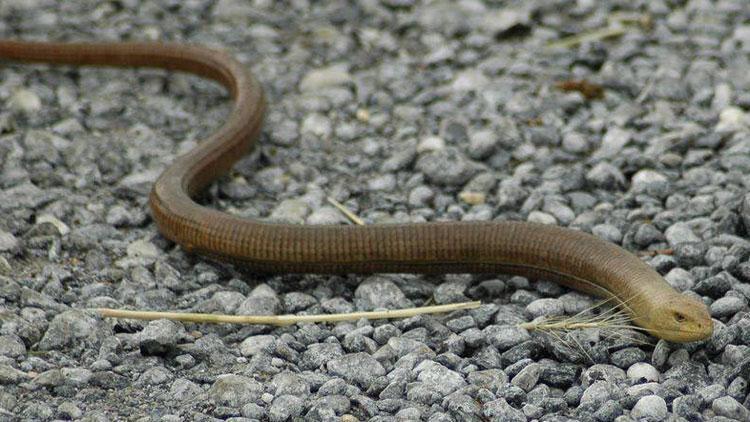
572 258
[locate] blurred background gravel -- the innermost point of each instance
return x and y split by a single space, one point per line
404 111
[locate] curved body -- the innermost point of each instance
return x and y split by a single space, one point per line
572 258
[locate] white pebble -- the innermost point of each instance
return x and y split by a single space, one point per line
430 143
643 371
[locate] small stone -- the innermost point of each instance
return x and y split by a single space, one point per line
650 182
233 10
605 176
326 216
51 378
67 329
292 211
378 292
439 378
318 354
715 287
382 183
608 411
628 356
285 407
8 242
143 249
541 218
732 119
690 254
727 306
652 407
11 346
234 390
253 411
421 196
157 375
69 410
469 80
317 125
261 301
184 390
680 233
472 198
77 377
680 279
447 167
430 143
500 410
574 142
327 77
646 234
527 377
612 143
643 372
10 375
482 143
26 101
607 232
160 337
359 368
503 337
548 307
730 408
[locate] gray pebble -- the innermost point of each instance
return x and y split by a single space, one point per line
69 410
325 216
547 307
650 182
527 377
11 375
605 176
607 232
500 410
8 242
727 306
234 390
378 292
650 407
730 408
67 329
324 78
261 301
184 390
446 167
482 143
285 407
438 378
680 279
160 337
503 337
291 211
642 371
612 143
358 368
11 346
680 233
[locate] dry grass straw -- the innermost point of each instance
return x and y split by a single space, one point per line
282 320
609 318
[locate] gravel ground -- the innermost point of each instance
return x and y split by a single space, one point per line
402 111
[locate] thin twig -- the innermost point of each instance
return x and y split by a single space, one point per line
282 320
350 215
595 35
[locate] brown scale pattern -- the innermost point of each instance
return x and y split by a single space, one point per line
569 257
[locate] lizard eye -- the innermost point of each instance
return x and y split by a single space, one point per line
679 317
